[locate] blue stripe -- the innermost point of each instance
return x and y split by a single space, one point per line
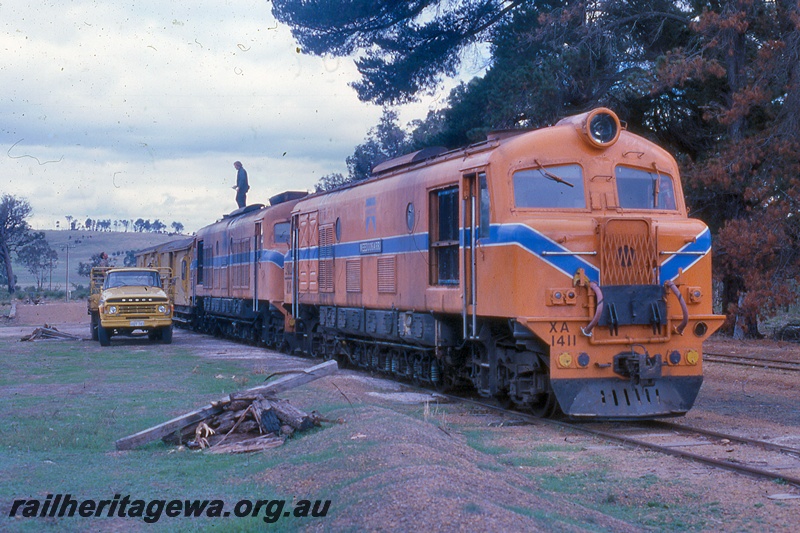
670 267
536 243
398 244
520 235
266 256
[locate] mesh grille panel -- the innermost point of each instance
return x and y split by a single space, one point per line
628 253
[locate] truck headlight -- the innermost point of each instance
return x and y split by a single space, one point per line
163 309
112 309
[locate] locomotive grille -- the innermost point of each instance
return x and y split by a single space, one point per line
387 275
628 253
353 275
326 258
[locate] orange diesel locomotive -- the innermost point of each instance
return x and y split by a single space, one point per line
556 268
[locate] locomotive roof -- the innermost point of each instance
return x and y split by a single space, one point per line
244 210
168 246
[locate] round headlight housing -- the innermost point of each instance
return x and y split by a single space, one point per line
602 127
112 309
163 309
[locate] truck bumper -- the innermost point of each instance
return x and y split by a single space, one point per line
130 324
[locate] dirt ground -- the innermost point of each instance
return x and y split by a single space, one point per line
52 313
402 461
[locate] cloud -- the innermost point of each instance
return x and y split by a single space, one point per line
128 110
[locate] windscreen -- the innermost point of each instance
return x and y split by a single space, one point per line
644 189
123 279
559 186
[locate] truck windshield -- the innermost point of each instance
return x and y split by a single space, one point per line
122 279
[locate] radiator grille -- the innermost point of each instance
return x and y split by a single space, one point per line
387 275
353 274
628 253
326 259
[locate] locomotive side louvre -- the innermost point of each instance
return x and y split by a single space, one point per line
547 266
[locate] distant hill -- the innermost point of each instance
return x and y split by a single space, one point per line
83 245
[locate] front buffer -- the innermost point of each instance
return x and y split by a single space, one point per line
620 399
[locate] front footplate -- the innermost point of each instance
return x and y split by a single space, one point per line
620 399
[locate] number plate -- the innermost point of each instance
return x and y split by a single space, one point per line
137 323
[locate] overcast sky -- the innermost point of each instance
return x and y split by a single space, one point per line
127 109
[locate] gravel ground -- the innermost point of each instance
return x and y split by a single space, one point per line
396 463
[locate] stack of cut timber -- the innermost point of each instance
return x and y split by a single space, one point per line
241 422
248 422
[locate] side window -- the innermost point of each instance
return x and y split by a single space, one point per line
483 187
559 187
444 242
644 189
282 232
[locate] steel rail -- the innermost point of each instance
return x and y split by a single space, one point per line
745 360
675 452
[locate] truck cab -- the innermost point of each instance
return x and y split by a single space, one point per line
125 300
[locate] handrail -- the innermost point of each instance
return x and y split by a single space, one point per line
680 327
598 312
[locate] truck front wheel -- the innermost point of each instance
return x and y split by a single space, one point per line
103 335
166 335
95 323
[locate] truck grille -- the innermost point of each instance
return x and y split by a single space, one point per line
147 309
137 306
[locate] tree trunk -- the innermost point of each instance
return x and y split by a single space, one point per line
5 254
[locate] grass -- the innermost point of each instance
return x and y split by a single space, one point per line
67 403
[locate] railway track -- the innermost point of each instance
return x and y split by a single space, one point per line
752 361
751 457
757 458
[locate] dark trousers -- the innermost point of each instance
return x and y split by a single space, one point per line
241 198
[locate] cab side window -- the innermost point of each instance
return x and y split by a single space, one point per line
444 242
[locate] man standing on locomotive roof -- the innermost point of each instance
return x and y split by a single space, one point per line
241 184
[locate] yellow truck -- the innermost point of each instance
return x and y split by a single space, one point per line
123 301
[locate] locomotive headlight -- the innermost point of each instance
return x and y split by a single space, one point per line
602 127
